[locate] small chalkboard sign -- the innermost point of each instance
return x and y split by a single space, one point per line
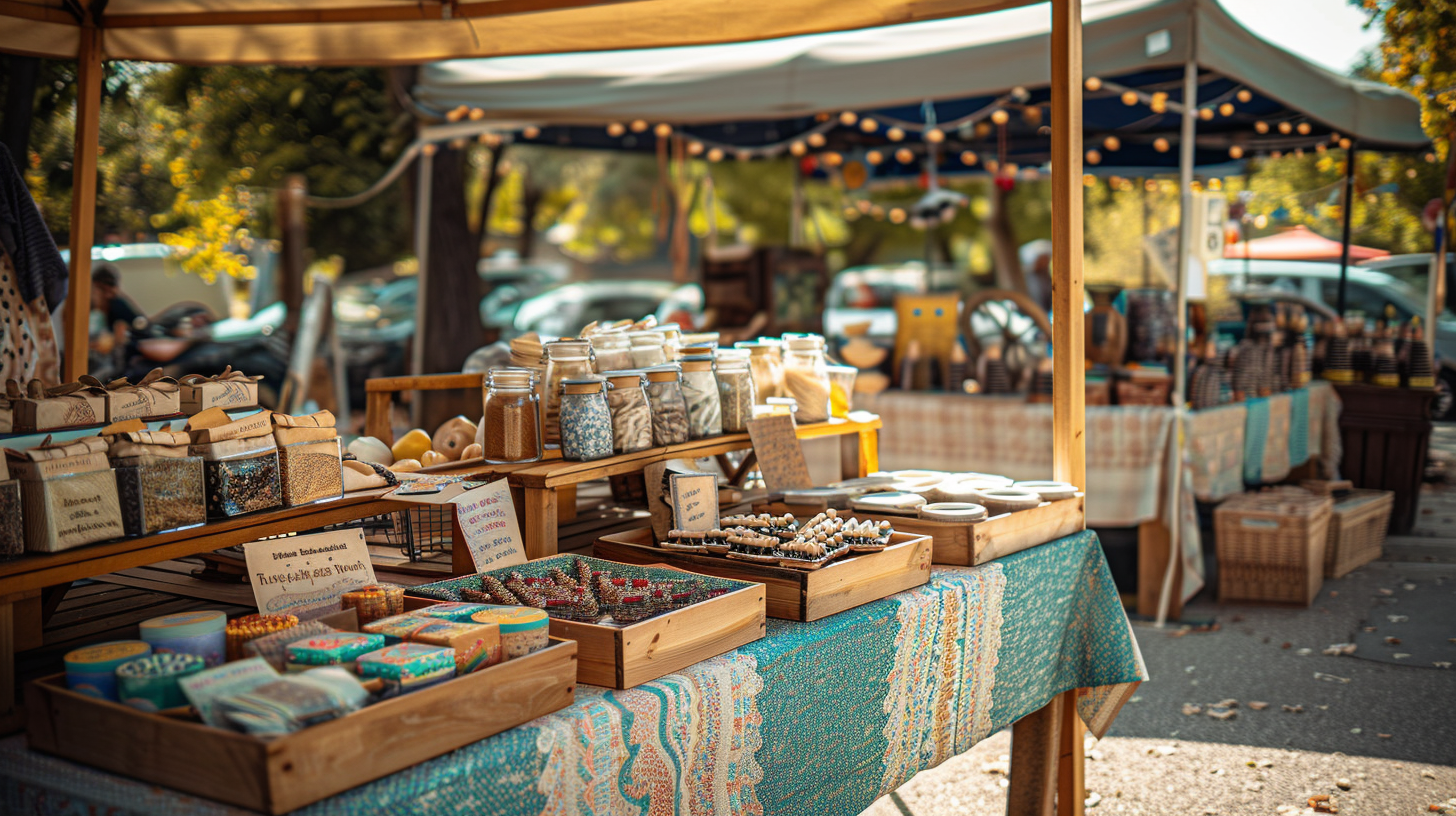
694 501
780 454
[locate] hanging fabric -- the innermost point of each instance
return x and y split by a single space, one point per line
33 283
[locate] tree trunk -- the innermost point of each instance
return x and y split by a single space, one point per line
452 291
530 202
1009 274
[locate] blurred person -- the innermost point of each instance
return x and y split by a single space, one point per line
122 320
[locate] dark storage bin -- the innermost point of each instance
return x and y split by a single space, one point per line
1386 433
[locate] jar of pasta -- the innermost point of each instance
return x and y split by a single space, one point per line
700 391
631 414
806 376
767 366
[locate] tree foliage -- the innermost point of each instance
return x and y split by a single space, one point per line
1418 53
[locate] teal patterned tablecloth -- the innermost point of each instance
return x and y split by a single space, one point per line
815 718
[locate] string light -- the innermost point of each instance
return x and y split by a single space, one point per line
1093 84
695 148
935 135
798 148
897 216
1226 109
1112 143
457 113
715 155
1303 128
968 157
1430 158
1335 138
863 205
905 155
1206 114
1010 168
1319 148
981 129
874 157
1129 98
1286 128
530 131
1089 180
1345 144
1276 154
1161 145
1245 95
1151 185
868 125
1261 127
1236 152
877 212
895 134
848 118
1000 117
430 149
743 155
816 140
638 125
1159 102
992 166
476 114
833 159
1094 156
663 130
616 129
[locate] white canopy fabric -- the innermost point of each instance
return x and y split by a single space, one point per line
383 32
884 67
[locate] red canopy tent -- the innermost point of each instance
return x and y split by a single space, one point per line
1298 244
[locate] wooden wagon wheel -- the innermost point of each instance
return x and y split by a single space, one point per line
1028 307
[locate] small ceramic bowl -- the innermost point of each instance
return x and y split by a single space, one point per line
1009 500
953 511
901 503
988 479
1050 491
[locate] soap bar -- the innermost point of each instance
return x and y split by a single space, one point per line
274 648
150 683
523 629
476 645
200 633
450 611
331 650
92 669
410 665
398 628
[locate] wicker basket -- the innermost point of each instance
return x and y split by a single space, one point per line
1271 545
1357 530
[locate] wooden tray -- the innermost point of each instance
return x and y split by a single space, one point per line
291 771
966 544
793 594
626 656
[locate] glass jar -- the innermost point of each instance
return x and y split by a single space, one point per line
631 415
565 359
671 339
611 351
512 421
647 349
736 389
700 391
669 409
699 341
806 376
841 390
767 366
586 422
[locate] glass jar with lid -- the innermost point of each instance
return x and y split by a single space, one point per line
586 422
841 390
564 359
806 376
767 365
671 339
511 431
631 415
699 340
647 349
700 391
611 351
736 389
669 409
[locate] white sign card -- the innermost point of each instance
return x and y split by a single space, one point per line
305 575
448 489
694 501
487 519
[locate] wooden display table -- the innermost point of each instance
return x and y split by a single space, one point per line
540 483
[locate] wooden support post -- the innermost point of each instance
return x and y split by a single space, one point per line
1071 772
1155 543
565 504
1035 744
10 716
378 416
77 309
538 526
1069 451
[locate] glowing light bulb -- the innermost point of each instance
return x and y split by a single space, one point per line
1261 127
816 140
1129 98
1236 152
1244 95
798 148
1161 145
1206 114
868 125
663 130
895 134
1286 128
715 154
1226 109
874 157
530 131
638 125
935 135
1094 156
1000 117
695 148
1093 84
848 118
904 155
616 129
1112 143
1303 128
969 157
1345 144
833 159
897 216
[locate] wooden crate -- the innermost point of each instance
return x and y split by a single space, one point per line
966 544
793 594
1271 545
626 656
288 772
1357 530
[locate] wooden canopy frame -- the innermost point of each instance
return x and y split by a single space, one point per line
1048 743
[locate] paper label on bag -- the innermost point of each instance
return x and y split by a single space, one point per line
305 575
487 519
694 501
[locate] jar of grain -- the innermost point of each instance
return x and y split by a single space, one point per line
767 366
512 417
700 391
669 409
631 414
564 359
586 422
736 389
647 349
806 376
611 351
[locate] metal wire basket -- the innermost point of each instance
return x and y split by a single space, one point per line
418 531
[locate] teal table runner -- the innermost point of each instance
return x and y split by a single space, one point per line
815 718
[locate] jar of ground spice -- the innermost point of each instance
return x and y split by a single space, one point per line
736 389
586 422
669 409
512 417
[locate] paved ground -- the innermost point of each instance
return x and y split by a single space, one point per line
1158 760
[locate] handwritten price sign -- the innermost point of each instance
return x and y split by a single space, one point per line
305 575
488 520
695 501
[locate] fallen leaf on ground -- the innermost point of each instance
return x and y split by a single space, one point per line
1397 618
1191 709
1253 787
1427 775
1407 587
1330 678
1369 628
1337 649
1392 641
1401 655
1305 651
1257 705
1228 703
1178 633
1294 709
1286 645
1384 591
1354 730
1385 736
1221 713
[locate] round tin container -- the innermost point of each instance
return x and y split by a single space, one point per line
150 683
200 633
92 669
